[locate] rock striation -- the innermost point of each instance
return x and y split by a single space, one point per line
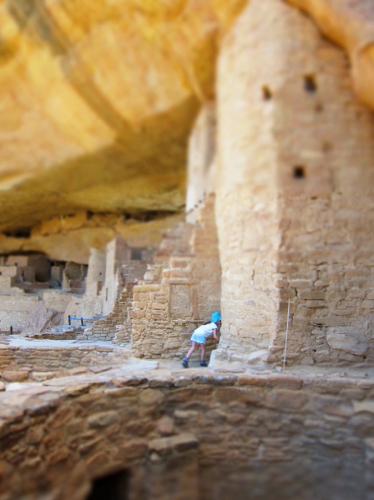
351 25
97 100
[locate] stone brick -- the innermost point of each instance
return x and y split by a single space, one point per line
364 406
15 375
286 400
179 442
151 397
165 425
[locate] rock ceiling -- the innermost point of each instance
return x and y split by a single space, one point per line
350 24
97 97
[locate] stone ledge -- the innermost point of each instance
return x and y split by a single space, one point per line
265 418
167 444
121 377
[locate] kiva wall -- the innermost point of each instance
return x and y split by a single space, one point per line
270 437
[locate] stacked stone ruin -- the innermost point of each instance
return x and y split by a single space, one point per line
27 287
242 247
278 235
179 291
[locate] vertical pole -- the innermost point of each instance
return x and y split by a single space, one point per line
11 330
82 322
286 339
69 320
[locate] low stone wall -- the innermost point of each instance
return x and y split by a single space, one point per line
52 359
15 311
56 300
155 334
219 436
117 321
157 330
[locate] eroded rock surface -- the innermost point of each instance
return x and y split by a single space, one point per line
97 103
97 100
351 25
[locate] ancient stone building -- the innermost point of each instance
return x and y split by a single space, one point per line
160 161
298 203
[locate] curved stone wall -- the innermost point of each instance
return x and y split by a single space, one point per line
243 436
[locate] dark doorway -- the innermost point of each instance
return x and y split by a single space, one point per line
112 487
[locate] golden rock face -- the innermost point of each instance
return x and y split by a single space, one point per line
71 238
97 99
349 23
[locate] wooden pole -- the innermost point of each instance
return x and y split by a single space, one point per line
286 338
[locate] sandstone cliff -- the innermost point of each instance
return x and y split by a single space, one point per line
350 25
97 100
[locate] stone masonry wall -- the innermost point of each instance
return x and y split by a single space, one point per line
90 304
56 300
271 437
52 359
326 195
15 306
179 293
294 195
117 324
247 208
96 273
117 253
200 165
206 270
106 328
162 315
15 311
28 309
108 292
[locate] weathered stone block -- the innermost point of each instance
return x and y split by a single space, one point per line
180 442
15 375
364 406
348 339
151 397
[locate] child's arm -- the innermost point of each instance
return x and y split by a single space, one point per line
215 336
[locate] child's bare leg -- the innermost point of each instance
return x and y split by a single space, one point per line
189 354
193 348
202 352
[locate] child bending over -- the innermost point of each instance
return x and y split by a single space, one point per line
200 336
